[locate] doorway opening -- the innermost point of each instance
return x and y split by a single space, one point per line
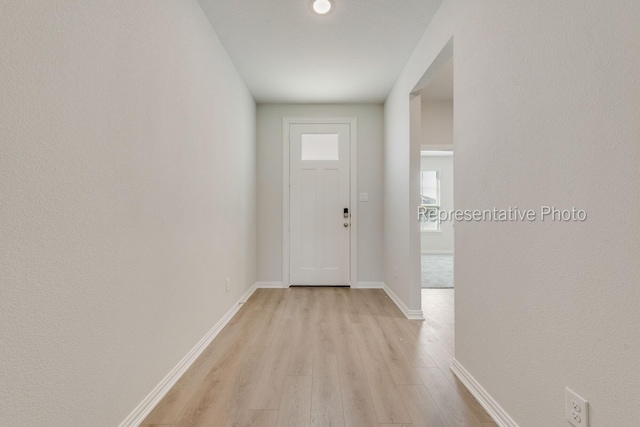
432 187
436 228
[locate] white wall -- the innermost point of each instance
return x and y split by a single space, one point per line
442 241
127 164
437 122
546 94
269 159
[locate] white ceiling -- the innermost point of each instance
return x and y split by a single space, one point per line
441 87
286 53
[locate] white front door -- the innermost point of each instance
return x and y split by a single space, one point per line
319 211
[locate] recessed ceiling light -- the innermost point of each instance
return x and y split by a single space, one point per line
321 6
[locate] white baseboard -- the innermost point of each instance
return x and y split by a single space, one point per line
492 407
270 285
409 314
137 416
369 285
435 252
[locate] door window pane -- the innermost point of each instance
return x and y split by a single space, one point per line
319 146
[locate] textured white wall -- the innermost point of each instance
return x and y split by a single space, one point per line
547 100
127 166
443 240
269 154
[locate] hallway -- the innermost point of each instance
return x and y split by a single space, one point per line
145 197
325 357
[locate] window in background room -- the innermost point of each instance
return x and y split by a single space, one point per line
429 200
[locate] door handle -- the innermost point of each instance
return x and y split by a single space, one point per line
346 224
346 212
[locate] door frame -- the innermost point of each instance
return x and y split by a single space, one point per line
353 192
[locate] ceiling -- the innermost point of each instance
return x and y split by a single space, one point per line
441 87
285 53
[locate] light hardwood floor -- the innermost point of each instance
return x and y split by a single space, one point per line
326 357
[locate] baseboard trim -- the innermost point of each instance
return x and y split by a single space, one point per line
369 285
492 407
435 252
409 314
137 416
269 285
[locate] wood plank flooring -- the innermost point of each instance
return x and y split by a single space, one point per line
326 357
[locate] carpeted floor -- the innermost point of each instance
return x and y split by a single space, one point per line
437 271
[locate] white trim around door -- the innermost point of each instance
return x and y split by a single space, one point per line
353 191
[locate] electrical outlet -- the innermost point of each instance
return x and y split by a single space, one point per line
577 409
228 284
